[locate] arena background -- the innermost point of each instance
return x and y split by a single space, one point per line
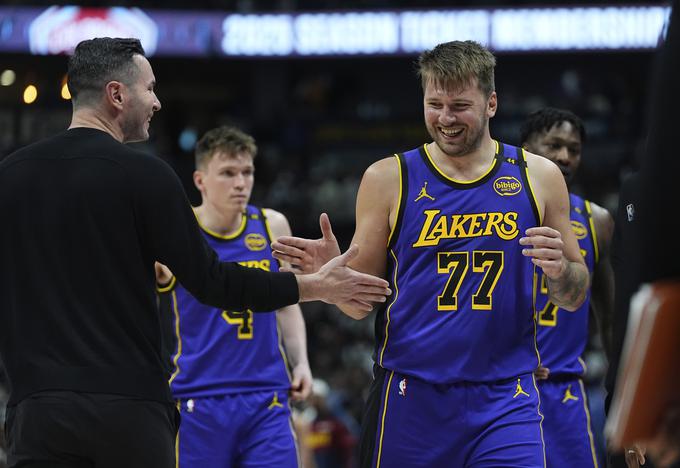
320 121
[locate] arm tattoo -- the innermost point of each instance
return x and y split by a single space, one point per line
569 291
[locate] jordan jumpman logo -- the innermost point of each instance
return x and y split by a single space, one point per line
519 390
423 193
275 402
568 395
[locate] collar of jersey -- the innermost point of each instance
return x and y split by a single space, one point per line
464 183
217 235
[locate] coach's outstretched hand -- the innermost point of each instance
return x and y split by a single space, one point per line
307 255
336 283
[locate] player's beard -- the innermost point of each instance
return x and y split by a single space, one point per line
472 139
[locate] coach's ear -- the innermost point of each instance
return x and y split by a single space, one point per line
114 94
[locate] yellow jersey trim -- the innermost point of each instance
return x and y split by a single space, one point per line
179 407
533 307
540 423
295 437
590 432
179 338
279 335
265 221
234 235
168 287
464 182
531 189
401 190
389 308
382 423
583 364
279 341
593 233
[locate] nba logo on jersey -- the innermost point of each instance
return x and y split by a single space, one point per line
630 211
402 387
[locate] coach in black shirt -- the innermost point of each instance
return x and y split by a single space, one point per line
83 219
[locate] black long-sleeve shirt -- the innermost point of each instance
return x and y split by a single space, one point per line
626 272
84 217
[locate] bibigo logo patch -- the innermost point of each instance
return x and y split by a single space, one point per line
255 242
506 186
580 231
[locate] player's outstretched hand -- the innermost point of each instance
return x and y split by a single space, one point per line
307 255
546 250
336 283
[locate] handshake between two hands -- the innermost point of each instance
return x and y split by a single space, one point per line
323 271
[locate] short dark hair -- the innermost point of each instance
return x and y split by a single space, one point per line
97 61
230 140
544 119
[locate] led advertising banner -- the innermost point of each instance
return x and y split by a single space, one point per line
56 30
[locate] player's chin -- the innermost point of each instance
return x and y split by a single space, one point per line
239 203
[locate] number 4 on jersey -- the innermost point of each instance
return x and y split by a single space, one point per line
243 320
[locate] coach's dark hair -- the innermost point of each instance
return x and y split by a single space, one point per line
544 119
97 61
230 140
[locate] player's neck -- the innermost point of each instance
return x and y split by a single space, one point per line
223 223
465 167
